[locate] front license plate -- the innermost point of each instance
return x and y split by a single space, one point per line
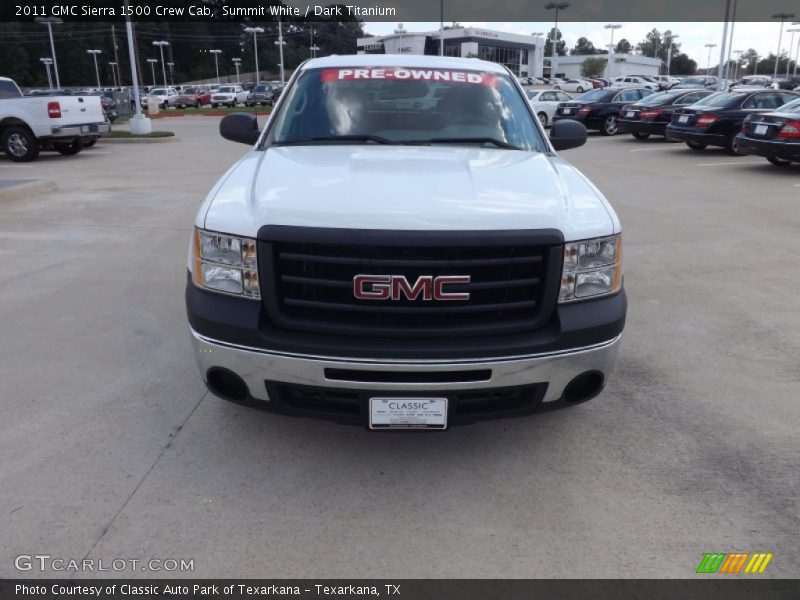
683 119
761 130
408 413
567 111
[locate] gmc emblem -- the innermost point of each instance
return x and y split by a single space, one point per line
395 287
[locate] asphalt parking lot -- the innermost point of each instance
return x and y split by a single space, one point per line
110 446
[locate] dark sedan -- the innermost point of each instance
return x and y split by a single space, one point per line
651 115
717 119
599 109
773 135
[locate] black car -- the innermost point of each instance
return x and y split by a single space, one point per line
717 119
774 135
599 109
651 115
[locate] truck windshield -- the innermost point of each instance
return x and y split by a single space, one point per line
395 105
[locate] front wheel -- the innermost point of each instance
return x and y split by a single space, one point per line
580 90
779 162
696 145
70 149
19 144
610 126
213 105
640 135
542 118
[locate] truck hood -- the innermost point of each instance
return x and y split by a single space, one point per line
406 188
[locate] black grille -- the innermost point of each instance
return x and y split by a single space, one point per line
511 281
353 405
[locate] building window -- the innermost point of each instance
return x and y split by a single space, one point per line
508 57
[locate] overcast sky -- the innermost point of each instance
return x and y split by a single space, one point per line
693 36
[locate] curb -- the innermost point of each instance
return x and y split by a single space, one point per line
135 140
26 187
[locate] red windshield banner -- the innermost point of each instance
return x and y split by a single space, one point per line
408 74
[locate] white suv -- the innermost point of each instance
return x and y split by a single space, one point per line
229 95
404 265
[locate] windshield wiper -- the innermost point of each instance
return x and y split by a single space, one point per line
338 138
467 140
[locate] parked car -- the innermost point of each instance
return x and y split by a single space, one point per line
599 109
276 91
29 124
773 135
545 103
634 82
166 97
665 82
697 81
717 119
195 96
229 95
574 85
504 257
651 115
260 94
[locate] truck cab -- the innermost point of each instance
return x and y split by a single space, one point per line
403 247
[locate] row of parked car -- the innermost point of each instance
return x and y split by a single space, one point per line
760 121
215 95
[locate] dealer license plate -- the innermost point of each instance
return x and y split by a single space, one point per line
761 130
683 119
408 413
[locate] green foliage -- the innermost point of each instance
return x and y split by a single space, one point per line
623 47
593 67
561 45
583 47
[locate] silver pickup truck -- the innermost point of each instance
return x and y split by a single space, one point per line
29 124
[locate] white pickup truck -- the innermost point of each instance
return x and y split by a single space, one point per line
403 247
29 124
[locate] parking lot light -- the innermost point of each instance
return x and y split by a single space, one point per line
216 53
171 74
47 62
153 62
280 44
789 55
94 54
708 61
50 21
255 31
161 44
669 51
783 17
613 27
554 56
236 63
113 66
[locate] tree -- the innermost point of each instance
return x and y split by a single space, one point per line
583 47
623 47
593 67
651 44
681 64
561 45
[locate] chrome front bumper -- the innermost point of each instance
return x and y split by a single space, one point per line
255 366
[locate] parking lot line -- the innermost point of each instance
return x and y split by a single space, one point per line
643 149
737 162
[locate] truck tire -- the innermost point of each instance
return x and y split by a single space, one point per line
19 144
70 149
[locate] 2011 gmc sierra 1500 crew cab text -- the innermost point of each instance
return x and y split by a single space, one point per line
403 248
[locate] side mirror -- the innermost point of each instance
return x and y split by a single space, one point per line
567 134
240 127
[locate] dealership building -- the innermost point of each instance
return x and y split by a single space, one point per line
522 54
618 65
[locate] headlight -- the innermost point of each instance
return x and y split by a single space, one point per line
225 263
591 268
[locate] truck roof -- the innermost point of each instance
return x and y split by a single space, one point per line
402 60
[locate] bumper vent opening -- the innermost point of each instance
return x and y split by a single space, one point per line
227 384
584 387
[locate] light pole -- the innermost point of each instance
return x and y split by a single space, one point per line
554 56
669 51
441 27
161 44
153 62
236 63
47 62
216 54
789 55
280 44
50 21
738 54
255 31
796 52
171 74
113 66
94 54
782 17
708 62
312 48
140 125
613 27
755 64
